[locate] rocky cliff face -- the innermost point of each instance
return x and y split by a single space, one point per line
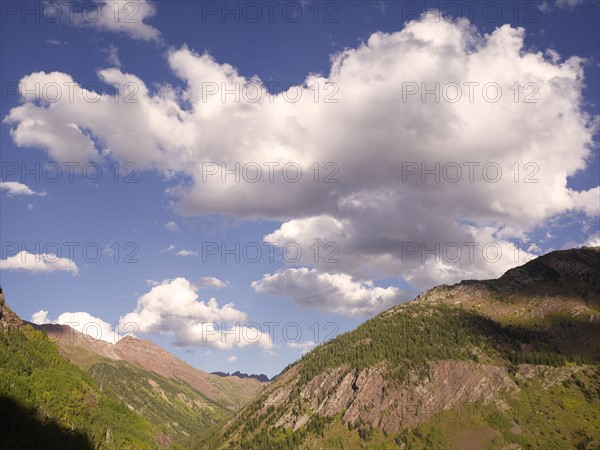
538 325
366 397
7 317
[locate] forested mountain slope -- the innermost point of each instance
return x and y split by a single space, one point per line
506 363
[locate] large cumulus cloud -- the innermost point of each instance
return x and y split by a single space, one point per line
372 135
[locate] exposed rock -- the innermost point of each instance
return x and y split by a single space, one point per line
7 317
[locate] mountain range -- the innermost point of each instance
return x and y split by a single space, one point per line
260 377
508 363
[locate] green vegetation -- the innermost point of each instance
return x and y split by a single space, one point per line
559 417
407 338
178 409
404 341
63 405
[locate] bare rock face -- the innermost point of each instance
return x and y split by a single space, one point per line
367 397
8 318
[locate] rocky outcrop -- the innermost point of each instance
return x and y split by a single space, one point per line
366 397
7 317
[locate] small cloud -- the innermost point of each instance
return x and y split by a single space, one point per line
593 241
332 292
30 206
132 21
232 359
547 6
173 308
15 189
112 56
38 263
150 282
40 317
302 346
169 249
83 322
212 283
56 42
187 253
381 7
568 3
172 226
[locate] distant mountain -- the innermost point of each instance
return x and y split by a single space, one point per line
508 363
186 403
262 377
83 351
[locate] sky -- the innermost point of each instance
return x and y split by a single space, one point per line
242 181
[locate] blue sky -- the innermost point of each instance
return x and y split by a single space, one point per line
157 234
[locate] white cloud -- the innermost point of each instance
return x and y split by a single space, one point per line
232 359
15 188
169 249
187 253
38 263
304 346
83 322
56 42
121 16
548 6
337 293
171 226
173 308
40 317
213 283
381 7
568 3
373 131
112 55
593 241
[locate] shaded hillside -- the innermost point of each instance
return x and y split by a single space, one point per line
507 363
22 428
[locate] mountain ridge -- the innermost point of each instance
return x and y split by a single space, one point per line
503 348
232 392
260 377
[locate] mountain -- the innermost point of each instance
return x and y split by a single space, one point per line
8 319
508 363
47 402
186 403
260 377
85 351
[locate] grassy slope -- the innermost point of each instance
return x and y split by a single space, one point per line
34 377
174 407
177 408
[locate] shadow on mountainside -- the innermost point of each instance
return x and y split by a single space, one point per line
22 428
